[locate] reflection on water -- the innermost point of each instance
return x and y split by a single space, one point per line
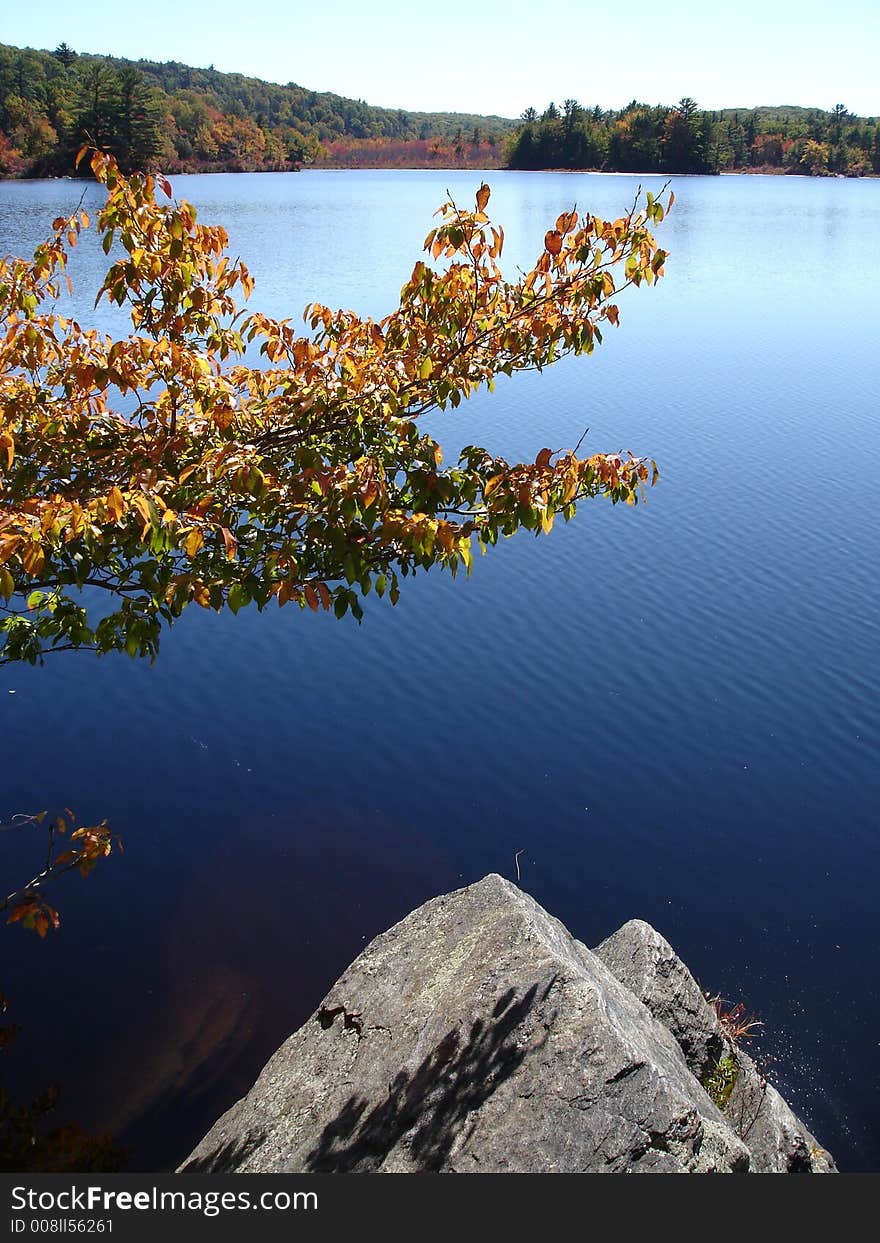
673 713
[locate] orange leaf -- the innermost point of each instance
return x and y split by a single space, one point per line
7 447
33 558
542 461
553 241
483 197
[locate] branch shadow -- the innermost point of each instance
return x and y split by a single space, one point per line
429 1107
226 1158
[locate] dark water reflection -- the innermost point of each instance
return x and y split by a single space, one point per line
673 713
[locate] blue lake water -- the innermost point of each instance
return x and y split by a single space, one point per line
673 712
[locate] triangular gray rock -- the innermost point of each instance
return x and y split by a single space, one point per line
778 1141
477 1035
646 963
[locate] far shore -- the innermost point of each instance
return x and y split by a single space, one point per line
336 167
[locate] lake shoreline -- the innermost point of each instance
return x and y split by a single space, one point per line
335 167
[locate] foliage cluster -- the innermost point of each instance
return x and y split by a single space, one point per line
222 458
720 1081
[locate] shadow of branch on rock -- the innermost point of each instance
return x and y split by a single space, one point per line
428 1108
226 1158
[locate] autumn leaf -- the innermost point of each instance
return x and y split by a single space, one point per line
193 542
311 597
553 241
230 543
115 504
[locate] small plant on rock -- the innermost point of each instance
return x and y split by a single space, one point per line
736 1023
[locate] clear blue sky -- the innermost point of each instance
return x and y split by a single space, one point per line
495 55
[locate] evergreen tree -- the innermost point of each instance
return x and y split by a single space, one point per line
65 54
96 108
139 136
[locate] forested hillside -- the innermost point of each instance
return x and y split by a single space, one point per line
684 139
185 119
181 118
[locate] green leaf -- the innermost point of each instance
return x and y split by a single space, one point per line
238 597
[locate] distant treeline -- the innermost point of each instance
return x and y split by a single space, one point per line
684 139
180 118
457 151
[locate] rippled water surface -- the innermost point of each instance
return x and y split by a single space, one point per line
673 713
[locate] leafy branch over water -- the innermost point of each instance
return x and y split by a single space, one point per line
304 480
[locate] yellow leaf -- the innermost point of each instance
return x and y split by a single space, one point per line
33 559
115 504
142 506
194 542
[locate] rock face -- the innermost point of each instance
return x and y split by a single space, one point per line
778 1141
478 1035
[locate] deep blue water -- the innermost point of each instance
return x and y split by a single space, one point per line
673 712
